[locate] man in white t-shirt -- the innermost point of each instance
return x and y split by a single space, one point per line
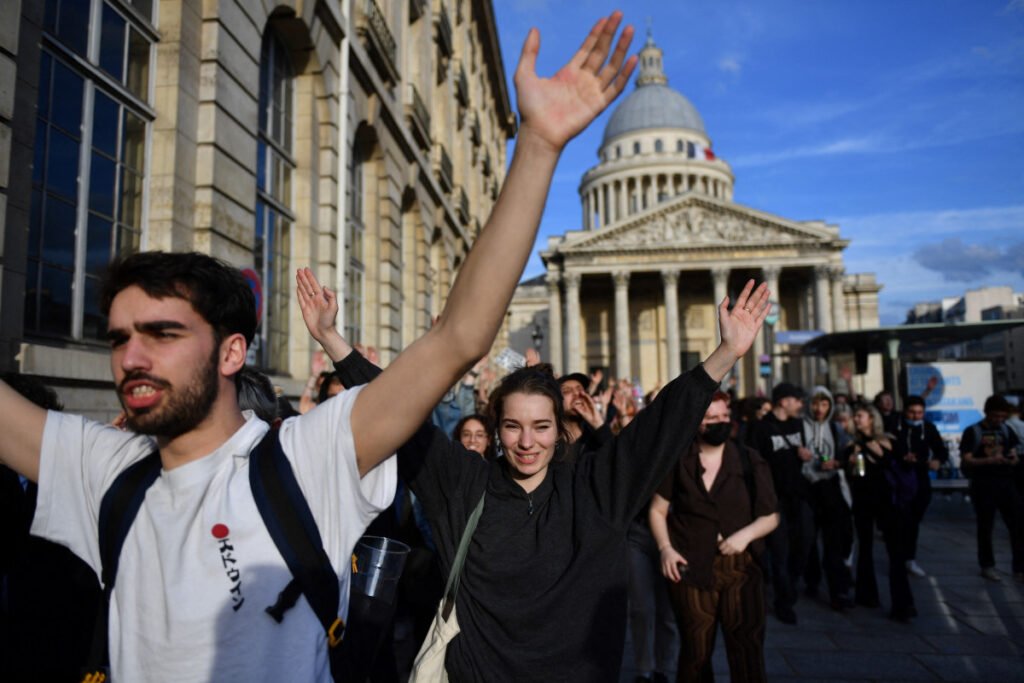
198 567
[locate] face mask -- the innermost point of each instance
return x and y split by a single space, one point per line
915 423
715 434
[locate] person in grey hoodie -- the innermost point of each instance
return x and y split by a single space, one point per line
830 500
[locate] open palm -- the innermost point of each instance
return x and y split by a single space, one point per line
558 108
740 326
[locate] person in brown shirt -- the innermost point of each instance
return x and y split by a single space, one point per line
722 504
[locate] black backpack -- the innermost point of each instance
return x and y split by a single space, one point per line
288 520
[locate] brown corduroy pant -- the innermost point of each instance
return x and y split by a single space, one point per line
736 601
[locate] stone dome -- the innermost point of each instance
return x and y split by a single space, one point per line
652 104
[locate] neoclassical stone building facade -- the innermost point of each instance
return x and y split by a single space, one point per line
662 241
363 138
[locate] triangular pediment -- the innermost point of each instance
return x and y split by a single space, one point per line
698 222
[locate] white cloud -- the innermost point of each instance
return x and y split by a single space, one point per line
730 64
889 245
869 144
910 229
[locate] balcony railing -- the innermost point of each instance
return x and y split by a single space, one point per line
444 168
462 86
474 130
444 31
485 163
417 8
419 117
380 44
462 204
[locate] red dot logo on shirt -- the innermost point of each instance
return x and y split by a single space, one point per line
220 531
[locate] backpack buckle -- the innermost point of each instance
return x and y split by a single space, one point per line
336 632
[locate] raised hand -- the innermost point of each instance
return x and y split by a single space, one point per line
586 409
740 326
556 109
319 305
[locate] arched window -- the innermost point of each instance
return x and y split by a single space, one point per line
658 146
618 151
680 146
274 214
636 148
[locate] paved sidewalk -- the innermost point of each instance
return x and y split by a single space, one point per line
969 629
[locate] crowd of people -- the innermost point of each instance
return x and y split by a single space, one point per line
207 534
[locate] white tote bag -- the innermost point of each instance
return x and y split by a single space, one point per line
429 664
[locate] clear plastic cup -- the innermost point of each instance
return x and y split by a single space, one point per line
377 566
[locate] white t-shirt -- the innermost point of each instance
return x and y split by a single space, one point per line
198 567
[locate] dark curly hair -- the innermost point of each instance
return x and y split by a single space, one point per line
536 380
216 290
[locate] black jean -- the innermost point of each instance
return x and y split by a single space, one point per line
922 499
834 523
988 495
789 546
871 506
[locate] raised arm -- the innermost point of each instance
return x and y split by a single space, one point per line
552 112
21 423
738 328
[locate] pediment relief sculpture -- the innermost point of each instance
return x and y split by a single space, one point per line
693 226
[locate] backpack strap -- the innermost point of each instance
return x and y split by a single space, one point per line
118 509
290 523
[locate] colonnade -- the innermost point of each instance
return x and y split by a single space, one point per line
609 201
822 308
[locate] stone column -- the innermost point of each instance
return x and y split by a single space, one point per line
670 281
623 351
555 322
605 205
838 299
822 302
620 201
720 278
572 314
771 277
651 197
586 211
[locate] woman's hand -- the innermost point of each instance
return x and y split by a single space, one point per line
735 544
671 562
584 405
556 109
319 305
739 327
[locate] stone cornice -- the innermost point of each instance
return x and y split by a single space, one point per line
697 224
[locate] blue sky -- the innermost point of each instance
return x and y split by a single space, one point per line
902 122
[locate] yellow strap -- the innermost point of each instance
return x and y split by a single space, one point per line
355 566
334 634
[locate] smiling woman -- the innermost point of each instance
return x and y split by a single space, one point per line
543 587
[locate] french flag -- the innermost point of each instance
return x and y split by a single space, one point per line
696 151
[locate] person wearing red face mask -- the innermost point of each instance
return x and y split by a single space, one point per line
722 504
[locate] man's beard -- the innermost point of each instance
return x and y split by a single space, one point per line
181 411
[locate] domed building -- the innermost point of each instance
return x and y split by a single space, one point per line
661 241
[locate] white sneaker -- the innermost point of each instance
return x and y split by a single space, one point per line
914 568
990 573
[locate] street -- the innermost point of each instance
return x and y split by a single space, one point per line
969 629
